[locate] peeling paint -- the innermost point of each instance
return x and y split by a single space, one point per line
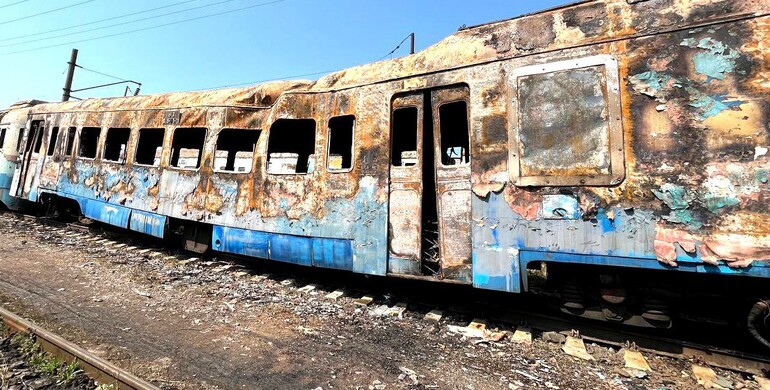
715 60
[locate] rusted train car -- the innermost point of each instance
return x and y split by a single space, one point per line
622 144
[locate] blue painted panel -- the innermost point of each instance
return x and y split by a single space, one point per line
494 269
9 201
241 241
5 180
560 207
148 223
104 212
291 249
333 253
757 269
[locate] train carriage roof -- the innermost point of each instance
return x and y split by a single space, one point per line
262 95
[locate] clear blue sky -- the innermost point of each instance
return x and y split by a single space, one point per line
278 40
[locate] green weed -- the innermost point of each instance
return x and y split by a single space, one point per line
67 372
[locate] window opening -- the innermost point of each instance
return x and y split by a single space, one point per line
115 144
70 141
21 137
52 140
149 146
89 141
404 142
291 146
187 147
339 156
453 119
2 138
34 141
235 150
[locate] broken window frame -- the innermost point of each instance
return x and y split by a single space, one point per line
53 140
200 151
20 140
615 126
79 148
35 145
258 133
417 143
352 144
439 133
299 158
105 148
139 143
69 140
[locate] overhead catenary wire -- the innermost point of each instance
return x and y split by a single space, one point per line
101 73
93 22
272 79
396 48
146 28
18 2
118 24
298 75
45 12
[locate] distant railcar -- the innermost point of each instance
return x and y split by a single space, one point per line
613 151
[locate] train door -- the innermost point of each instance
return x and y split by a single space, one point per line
430 191
451 139
22 179
404 224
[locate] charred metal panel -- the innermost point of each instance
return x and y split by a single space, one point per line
567 127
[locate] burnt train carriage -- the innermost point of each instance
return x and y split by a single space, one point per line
622 143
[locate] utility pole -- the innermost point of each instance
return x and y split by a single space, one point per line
411 46
70 73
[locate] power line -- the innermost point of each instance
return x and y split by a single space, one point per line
45 12
100 73
266 80
146 28
298 75
395 48
18 2
118 24
94 22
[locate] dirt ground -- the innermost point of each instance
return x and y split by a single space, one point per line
211 325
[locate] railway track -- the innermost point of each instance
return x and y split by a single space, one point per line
100 370
458 299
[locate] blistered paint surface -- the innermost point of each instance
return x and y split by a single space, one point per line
693 85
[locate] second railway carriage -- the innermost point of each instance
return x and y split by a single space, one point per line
623 144
12 124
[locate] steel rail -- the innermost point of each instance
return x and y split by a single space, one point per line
95 367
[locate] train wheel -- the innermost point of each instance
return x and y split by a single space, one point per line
759 322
